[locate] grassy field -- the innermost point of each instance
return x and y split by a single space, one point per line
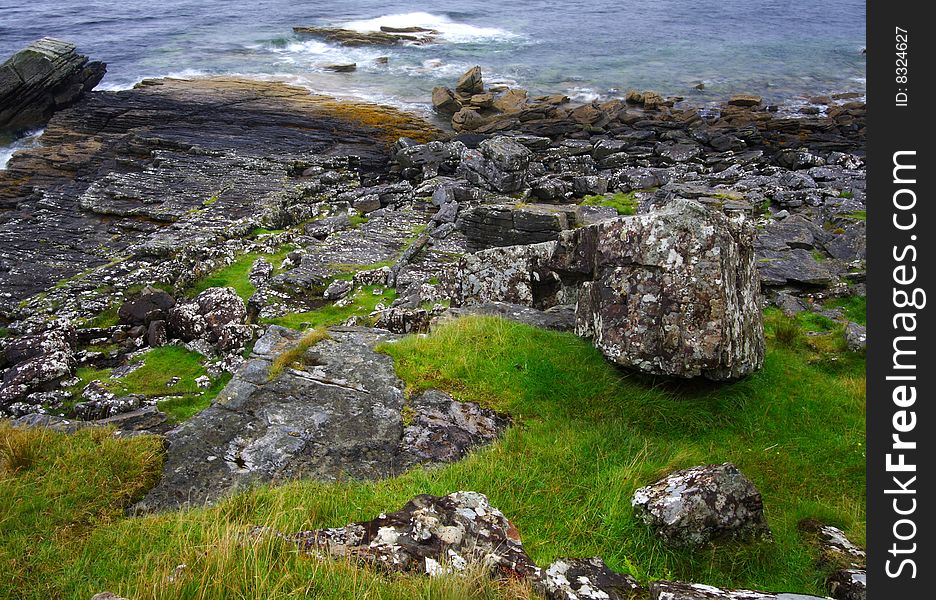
586 435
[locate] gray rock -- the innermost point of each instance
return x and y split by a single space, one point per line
677 590
673 292
216 316
585 579
333 411
699 505
500 164
856 337
337 289
260 272
849 584
36 362
442 430
44 77
151 305
795 266
323 228
430 535
490 226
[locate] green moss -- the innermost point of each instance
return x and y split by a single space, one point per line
858 215
185 398
357 220
846 194
624 204
363 303
236 274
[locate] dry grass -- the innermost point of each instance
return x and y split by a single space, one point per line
294 354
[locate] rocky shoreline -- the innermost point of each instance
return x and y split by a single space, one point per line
657 232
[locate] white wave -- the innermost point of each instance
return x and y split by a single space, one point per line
584 95
448 29
30 140
118 85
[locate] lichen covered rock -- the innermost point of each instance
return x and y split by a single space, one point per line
701 504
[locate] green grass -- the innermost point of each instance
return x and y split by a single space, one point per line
294 354
854 307
858 215
159 365
624 204
365 301
846 194
586 435
236 274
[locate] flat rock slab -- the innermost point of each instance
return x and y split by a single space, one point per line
334 411
677 590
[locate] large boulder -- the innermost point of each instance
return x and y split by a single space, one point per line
673 292
45 76
217 316
698 505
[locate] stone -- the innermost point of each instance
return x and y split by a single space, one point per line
367 204
556 318
216 316
260 272
834 546
467 119
856 337
354 38
334 410
36 362
511 101
337 289
101 404
322 228
156 334
444 101
849 584
151 305
441 430
107 596
46 76
677 590
586 579
341 68
489 226
745 100
700 505
673 292
430 535
470 83
499 164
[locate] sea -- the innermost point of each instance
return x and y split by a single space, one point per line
786 51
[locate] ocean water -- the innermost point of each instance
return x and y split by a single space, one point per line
785 51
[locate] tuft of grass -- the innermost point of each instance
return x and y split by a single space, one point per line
846 194
586 435
294 354
785 331
363 303
624 204
858 215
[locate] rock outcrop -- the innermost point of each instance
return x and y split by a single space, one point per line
44 77
696 506
326 410
678 590
674 292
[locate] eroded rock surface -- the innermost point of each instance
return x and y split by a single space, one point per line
677 590
695 506
331 411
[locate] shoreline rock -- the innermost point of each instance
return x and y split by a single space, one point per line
44 77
